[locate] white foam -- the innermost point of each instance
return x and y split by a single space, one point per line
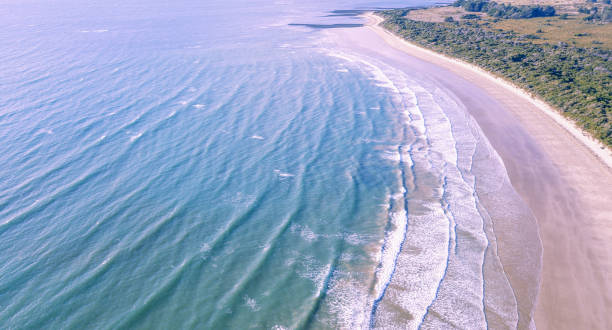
94 31
375 70
392 153
353 239
390 251
341 56
418 273
257 137
205 247
289 262
448 200
47 131
311 269
265 247
283 174
199 106
349 303
135 136
251 303
424 274
305 232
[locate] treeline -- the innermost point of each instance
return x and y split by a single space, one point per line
501 10
603 14
578 81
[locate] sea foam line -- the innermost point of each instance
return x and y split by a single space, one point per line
405 98
399 220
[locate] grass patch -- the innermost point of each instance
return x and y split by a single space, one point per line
552 30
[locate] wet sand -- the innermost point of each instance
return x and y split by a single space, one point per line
560 174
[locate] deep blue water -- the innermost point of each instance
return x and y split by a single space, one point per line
205 164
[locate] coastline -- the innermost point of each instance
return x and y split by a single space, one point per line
599 149
561 173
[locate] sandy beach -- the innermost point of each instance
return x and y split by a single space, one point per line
564 176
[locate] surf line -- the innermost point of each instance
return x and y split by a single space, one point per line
404 187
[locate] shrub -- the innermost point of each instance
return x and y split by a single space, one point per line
517 57
584 10
606 14
495 9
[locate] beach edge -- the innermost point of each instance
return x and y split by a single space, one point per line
601 151
565 187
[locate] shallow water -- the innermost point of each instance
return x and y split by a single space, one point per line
209 165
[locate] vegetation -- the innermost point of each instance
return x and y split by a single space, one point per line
573 30
597 13
501 10
604 14
576 80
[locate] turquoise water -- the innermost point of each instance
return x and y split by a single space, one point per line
205 164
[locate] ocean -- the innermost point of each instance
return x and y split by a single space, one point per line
223 165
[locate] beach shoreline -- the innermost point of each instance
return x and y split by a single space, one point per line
561 173
600 150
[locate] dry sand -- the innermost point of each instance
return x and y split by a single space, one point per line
564 176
